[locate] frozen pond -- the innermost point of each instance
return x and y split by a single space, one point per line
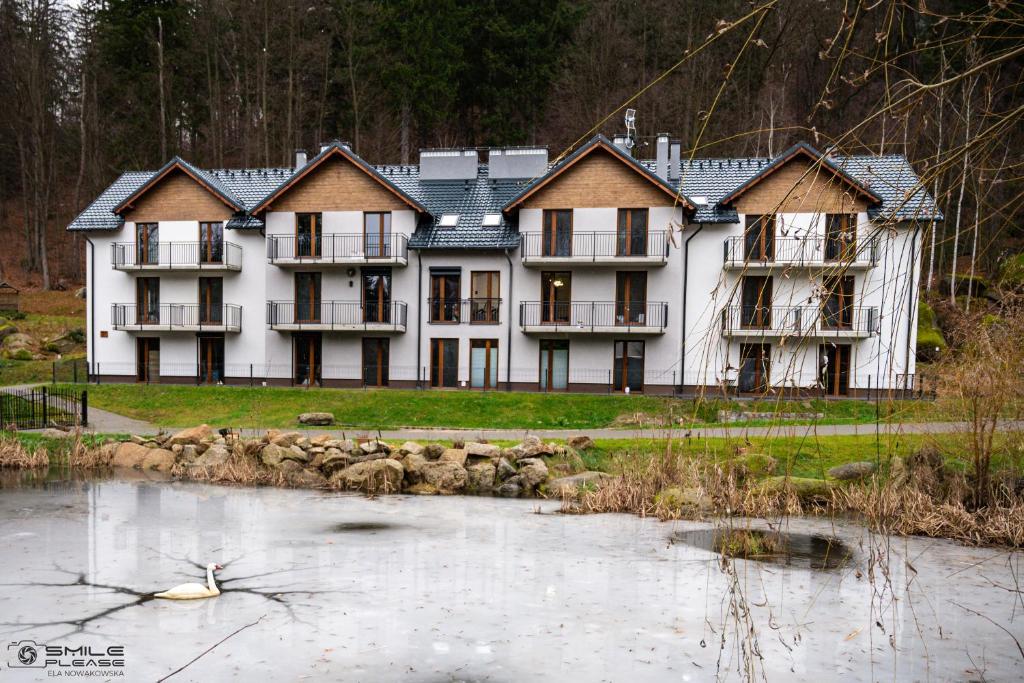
440 589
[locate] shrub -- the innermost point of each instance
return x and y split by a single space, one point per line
51 348
15 315
22 354
930 342
77 335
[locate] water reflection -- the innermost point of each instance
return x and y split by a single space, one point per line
809 551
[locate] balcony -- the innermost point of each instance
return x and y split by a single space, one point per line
177 318
811 252
184 256
594 317
342 250
337 316
473 311
758 322
595 248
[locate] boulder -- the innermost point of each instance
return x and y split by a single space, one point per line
532 447
433 451
359 456
505 470
676 499
752 466
806 489
374 446
284 439
129 454
411 448
413 463
158 459
455 455
511 488
571 485
581 443
374 476
853 471
319 419
444 475
214 456
272 455
298 455
481 450
6 330
344 445
306 479
480 477
187 454
17 341
334 460
51 433
320 441
193 435
532 472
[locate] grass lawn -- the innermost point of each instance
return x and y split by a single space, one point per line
178 406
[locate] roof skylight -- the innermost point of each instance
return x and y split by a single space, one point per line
491 220
449 220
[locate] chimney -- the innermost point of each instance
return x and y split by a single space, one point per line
620 140
448 164
673 160
300 158
661 156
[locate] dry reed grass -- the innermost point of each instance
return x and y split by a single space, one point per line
14 455
241 468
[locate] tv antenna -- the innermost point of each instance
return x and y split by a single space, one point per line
630 128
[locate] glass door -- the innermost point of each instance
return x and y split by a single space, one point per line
554 364
211 359
307 358
837 308
840 237
308 237
483 363
376 351
147 243
445 290
630 298
377 235
211 242
444 362
759 237
628 369
147 301
557 232
756 307
211 301
556 297
834 368
307 297
376 295
755 366
484 296
631 239
147 359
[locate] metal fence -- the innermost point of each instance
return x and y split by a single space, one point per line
43 407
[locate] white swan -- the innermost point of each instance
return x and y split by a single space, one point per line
194 591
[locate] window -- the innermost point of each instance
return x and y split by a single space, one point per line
756 306
631 237
491 220
837 307
840 236
211 242
449 220
445 290
444 362
211 301
377 235
483 363
554 364
556 236
628 367
147 301
307 297
755 364
556 297
376 352
376 295
631 298
147 359
147 243
834 369
485 302
308 235
759 237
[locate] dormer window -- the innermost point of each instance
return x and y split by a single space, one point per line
449 220
492 220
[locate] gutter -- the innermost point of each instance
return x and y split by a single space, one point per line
911 299
508 352
419 316
686 282
90 293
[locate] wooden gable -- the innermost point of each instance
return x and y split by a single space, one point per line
177 197
336 184
600 180
799 185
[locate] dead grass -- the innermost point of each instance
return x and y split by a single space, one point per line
14 455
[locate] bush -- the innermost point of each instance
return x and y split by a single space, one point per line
15 315
51 348
930 342
77 335
22 354
1011 272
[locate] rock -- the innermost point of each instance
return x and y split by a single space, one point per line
285 439
134 438
374 476
158 459
193 435
531 447
433 451
581 443
321 440
306 479
359 456
853 471
413 463
422 490
511 488
298 455
129 454
344 445
319 419
444 475
806 489
374 446
214 456
532 472
481 450
6 330
17 341
505 470
455 455
302 443
480 477
177 449
334 461
571 485
676 499
752 466
272 455
189 453
411 448
51 433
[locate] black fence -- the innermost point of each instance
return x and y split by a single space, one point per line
43 407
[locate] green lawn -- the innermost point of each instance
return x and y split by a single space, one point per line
176 405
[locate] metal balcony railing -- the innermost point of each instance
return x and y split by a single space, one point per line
795 251
810 321
594 246
587 315
337 315
176 255
477 311
338 248
183 317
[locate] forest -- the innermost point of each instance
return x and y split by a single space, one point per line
97 87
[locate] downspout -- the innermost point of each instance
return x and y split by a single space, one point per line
686 282
90 294
508 352
911 299
419 316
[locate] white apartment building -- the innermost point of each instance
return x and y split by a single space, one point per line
598 272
